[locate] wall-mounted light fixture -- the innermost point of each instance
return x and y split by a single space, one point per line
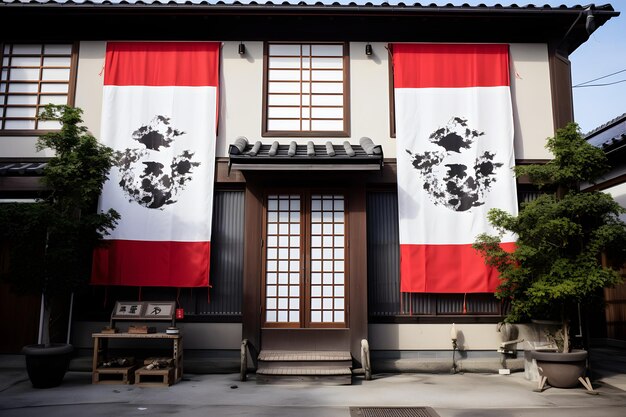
242 48
368 49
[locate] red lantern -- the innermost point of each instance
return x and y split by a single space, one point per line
180 313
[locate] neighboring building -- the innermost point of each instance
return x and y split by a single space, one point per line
611 137
61 57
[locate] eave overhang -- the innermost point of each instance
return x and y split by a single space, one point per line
19 175
564 27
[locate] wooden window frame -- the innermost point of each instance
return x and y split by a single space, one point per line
265 132
71 83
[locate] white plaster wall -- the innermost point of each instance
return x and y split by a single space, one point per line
532 100
215 336
369 96
619 194
472 336
241 98
21 147
241 95
89 84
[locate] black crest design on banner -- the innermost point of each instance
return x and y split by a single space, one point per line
145 179
450 178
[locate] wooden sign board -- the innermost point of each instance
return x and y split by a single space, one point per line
128 310
159 310
144 310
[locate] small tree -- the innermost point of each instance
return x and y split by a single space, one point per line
52 239
562 236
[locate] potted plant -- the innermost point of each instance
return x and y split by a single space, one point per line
53 238
567 241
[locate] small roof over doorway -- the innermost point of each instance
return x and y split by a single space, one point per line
19 175
366 156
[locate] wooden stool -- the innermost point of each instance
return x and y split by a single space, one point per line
121 375
154 377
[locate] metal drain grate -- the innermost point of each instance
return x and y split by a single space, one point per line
392 412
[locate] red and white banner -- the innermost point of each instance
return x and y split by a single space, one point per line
159 116
454 130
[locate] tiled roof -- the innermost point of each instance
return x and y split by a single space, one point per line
22 168
293 156
309 3
609 136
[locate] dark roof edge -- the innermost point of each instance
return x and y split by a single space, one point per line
605 126
605 9
551 21
24 159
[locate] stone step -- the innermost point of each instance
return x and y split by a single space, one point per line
300 375
304 367
264 364
287 358
301 370
303 356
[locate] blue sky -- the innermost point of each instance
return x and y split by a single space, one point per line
604 53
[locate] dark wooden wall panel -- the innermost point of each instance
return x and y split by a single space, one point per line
20 320
251 316
561 82
358 268
615 311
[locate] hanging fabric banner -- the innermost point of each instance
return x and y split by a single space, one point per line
159 116
454 131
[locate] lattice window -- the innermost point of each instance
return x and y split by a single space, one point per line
282 277
328 259
306 90
31 76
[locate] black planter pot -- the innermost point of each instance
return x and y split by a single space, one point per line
47 365
562 370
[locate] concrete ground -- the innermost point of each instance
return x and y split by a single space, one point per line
223 395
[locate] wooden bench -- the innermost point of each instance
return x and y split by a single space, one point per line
163 377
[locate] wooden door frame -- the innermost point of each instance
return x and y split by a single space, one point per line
305 270
355 187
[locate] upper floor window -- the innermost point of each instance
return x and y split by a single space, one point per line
306 90
31 76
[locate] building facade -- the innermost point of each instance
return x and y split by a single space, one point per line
338 61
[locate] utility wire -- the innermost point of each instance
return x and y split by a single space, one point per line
599 78
598 85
